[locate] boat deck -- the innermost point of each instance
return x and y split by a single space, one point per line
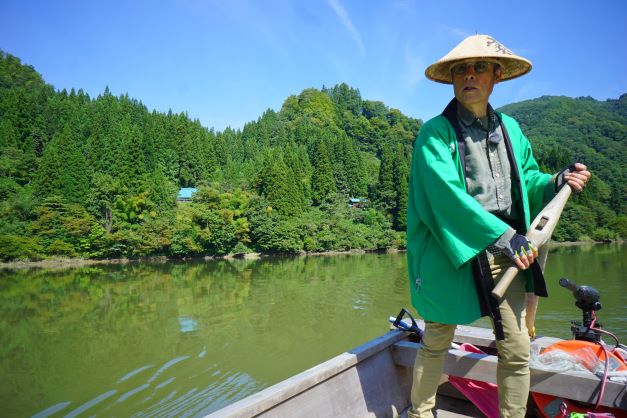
449 407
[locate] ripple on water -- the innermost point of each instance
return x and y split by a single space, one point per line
189 395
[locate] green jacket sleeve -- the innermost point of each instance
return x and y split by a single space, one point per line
459 224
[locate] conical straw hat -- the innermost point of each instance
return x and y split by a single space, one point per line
479 47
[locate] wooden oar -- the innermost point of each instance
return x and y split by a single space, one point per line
539 234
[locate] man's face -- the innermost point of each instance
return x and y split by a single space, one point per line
473 82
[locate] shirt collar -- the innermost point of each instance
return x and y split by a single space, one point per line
468 118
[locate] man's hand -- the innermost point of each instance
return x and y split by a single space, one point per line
575 175
521 251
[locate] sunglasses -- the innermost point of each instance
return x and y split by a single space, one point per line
480 67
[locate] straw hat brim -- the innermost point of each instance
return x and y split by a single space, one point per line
478 48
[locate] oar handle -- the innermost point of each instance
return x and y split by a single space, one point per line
539 234
506 280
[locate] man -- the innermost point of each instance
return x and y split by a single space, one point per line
474 187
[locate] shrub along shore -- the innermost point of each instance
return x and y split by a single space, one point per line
64 262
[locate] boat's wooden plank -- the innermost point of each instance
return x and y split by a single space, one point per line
544 342
580 386
483 337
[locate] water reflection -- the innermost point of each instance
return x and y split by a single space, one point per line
187 324
187 338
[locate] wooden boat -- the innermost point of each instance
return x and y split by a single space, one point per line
374 380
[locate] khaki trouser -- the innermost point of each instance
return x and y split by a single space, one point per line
512 372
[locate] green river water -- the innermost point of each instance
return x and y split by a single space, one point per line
186 338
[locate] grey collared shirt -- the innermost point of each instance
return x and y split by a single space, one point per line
488 171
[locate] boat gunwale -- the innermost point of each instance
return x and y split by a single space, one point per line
403 353
284 390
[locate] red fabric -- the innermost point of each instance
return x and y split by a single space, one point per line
482 394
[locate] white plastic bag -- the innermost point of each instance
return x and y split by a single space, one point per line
558 361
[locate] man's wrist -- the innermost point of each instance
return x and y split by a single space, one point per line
503 241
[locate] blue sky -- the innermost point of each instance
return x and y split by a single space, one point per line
225 62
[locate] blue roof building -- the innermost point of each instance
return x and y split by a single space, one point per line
186 193
357 202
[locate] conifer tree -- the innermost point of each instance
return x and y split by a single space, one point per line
322 181
63 171
385 192
104 140
190 154
401 178
8 134
209 159
278 184
47 180
220 148
350 172
75 175
346 98
131 156
391 190
296 159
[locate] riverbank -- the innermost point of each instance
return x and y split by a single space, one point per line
64 262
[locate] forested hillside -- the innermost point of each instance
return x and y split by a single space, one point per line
563 130
98 177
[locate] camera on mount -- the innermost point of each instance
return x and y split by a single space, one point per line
586 299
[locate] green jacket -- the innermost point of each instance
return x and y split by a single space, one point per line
447 228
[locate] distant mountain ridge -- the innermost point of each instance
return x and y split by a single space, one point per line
583 124
564 130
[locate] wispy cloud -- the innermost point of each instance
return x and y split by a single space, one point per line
340 11
415 65
457 32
